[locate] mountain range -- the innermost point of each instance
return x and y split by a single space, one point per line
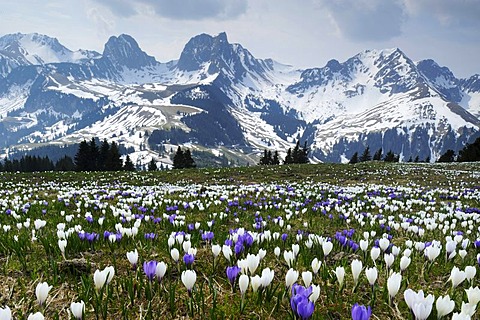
220 99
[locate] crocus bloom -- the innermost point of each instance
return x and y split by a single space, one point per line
62 244
132 257
188 259
232 273
101 278
374 253
356 270
473 295
360 312
243 283
35 316
315 293
267 277
340 274
149 269
216 250
316 264
393 284
300 303
256 282
175 254
404 262
468 308
41 291
5 313
372 274
307 278
77 309
160 270
444 306
461 316
470 272
457 276
327 247
291 277
420 305
188 278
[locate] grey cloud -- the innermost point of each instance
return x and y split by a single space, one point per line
121 8
181 10
371 20
456 17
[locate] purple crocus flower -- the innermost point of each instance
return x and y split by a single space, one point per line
360 312
232 273
284 237
149 269
477 243
302 307
188 259
207 236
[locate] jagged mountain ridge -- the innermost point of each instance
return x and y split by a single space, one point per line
219 95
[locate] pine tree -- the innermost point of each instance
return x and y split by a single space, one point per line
297 153
152 165
471 152
264 159
94 154
304 153
378 155
65 164
113 161
390 157
178 159
82 157
288 157
276 159
188 160
128 164
448 156
354 158
103 155
365 155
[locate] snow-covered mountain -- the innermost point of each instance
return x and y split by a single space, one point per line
218 97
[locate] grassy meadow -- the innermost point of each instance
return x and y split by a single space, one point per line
264 242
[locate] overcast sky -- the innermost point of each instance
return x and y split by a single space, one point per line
304 33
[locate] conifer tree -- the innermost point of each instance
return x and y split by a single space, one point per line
354 158
275 159
65 164
128 164
94 154
390 157
152 165
365 155
82 157
448 156
378 155
113 161
288 157
103 155
178 159
188 160
471 152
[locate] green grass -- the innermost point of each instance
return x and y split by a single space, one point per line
24 263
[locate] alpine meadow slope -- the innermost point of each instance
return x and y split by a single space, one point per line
217 97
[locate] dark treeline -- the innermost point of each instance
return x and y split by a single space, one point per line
470 153
390 156
297 155
106 157
183 159
89 157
